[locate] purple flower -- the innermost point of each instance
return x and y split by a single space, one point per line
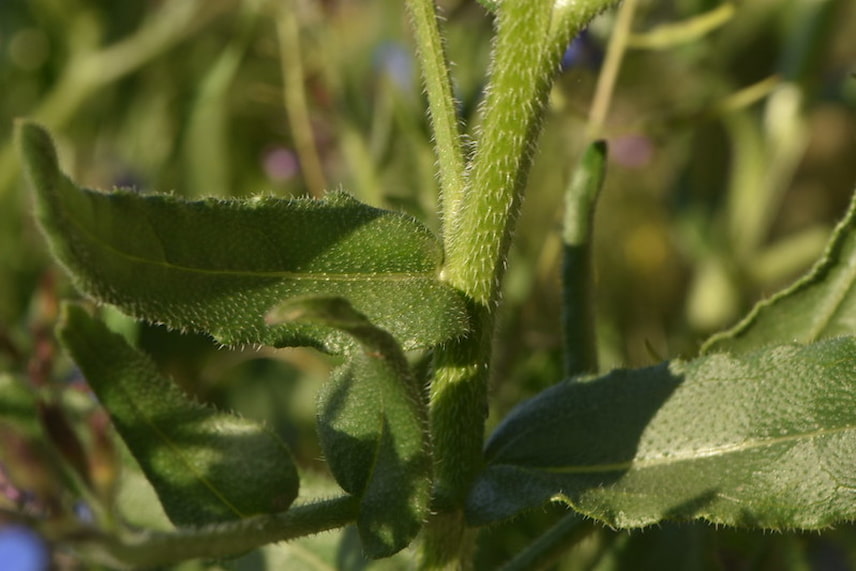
22 549
583 51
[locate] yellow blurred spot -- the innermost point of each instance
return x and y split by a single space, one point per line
645 249
29 49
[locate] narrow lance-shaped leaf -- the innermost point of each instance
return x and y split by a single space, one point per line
217 266
820 305
206 466
767 439
372 423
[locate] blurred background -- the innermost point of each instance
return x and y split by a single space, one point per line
732 134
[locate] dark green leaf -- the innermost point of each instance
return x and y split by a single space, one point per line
767 440
373 427
217 266
820 305
207 466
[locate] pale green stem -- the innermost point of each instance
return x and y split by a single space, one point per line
441 106
611 66
520 78
521 74
531 36
148 550
294 98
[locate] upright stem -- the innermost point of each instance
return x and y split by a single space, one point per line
521 74
294 98
520 77
479 213
441 107
477 245
609 73
577 284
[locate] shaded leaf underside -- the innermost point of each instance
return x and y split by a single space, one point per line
373 427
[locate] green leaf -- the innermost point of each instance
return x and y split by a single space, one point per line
217 266
766 439
207 466
373 427
820 305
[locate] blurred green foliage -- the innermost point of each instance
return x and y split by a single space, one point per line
732 154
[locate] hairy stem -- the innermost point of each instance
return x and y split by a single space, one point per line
476 247
521 74
530 39
441 107
577 284
612 65
148 550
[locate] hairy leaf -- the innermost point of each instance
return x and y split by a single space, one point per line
217 266
207 466
372 423
766 439
820 305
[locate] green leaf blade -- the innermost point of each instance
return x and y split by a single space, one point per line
373 427
207 466
764 440
217 266
820 305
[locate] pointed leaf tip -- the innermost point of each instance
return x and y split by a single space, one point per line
206 466
218 266
38 152
819 305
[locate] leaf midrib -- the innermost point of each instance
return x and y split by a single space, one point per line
699 454
175 449
307 275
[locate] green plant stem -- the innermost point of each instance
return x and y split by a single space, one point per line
294 98
527 51
520 78
477 245
577 283
612 65
448 543
549 546
146 550
571 17
441 106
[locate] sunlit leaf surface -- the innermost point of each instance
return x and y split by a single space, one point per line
217 266
767 440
